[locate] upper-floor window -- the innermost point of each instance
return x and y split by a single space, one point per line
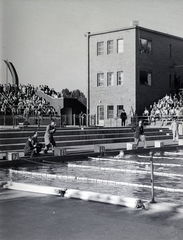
170 46
110 79
145 45
100 48
120 77
120 45
110 47
100 79
110 112
145 78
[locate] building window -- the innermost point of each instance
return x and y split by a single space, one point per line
110 47
100 112
145 46
100 48
145 78
119 110
100 79
110 112
120 45
120 79
170 81
170 50
110 79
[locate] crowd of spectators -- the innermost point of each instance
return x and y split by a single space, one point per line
165 109
22 101
51 92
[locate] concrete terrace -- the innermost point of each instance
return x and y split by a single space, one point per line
81 143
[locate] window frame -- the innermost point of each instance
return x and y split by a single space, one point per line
100 48
109 114
100 112
118 45
120 82
100 81
148 81
148 49
110 79
110 48
119 110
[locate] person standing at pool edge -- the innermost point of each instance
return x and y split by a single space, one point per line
48 137
175 129
139 134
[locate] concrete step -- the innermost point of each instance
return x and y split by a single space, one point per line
12 133
64 137
20 146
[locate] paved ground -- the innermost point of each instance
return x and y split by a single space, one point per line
26 216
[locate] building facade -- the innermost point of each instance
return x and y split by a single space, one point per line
129 69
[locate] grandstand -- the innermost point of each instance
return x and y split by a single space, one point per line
29 105
164 110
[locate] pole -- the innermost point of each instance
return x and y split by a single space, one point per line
152 178
6 72
88 78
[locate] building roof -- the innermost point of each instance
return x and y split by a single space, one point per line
135 27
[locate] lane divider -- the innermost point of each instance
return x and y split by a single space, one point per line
174 153
95 180
142 163
161 157
123 170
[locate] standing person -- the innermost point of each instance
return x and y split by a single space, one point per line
35 143
48 137
175 129
139 134
123 117
81 118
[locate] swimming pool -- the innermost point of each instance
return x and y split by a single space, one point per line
129 176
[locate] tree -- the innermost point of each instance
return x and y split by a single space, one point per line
66 93
74 94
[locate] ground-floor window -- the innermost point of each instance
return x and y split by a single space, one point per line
119 110
100 112
110 112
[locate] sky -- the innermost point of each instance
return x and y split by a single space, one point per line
45 41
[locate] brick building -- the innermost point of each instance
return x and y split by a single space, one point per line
131 68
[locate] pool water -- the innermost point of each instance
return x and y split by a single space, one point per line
134 170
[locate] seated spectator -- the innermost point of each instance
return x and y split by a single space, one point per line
24 99
166 108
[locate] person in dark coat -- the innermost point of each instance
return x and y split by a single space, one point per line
29 149
123 117
37 145
48 137
139 134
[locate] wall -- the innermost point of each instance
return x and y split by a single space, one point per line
159 62
57 103
113 95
